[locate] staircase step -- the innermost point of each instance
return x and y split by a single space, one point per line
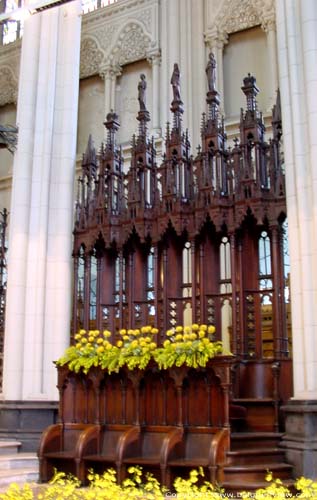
19 476
247 440
9 446
252 486
20 460
255 456
255 473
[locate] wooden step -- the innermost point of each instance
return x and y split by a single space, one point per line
247 440
233 489
255 473
255 456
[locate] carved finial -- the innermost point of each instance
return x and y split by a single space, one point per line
112 125
90 153
277 117
250 90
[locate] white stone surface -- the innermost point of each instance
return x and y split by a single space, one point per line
297 49
38 304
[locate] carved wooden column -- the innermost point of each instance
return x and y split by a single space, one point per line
194 280
233 345
202 292
87 292
75 298
121 278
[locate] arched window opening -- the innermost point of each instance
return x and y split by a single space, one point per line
225 266
267 320
226 324
187 270
265 267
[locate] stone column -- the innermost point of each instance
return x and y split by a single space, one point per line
109 73
155 60
39 267
296 23
270 29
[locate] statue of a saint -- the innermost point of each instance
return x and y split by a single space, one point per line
175 81
211 73
141 92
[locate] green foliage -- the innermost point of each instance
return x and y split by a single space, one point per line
191 346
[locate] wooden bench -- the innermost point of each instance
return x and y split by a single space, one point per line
62 447
152 449
114 439
200 447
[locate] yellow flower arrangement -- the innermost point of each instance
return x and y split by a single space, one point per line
192 346
136 347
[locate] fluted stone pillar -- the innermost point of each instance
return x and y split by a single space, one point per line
109 73
296 23
154 59
270 29
39 264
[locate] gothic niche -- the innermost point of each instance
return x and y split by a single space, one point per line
192 240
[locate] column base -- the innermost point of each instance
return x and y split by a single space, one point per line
300 438
25 421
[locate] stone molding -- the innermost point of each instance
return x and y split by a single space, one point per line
119 34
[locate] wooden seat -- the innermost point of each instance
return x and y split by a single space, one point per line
200 447
62 446
153 448
114 439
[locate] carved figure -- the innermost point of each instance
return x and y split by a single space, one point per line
211 72
141 92
175 81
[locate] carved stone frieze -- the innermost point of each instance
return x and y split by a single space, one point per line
145 17
90 57
8 86
237 15
132 45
